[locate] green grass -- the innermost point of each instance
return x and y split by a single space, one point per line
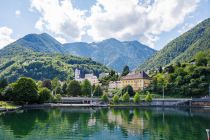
7 105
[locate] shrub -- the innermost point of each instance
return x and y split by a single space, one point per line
136 98
126 97
115 99
148 97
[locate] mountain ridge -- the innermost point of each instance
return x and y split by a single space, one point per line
182 48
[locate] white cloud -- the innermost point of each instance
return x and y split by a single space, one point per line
185 27
127 19
5 36
60 18
17 13
144 20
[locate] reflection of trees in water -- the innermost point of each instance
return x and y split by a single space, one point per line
53 123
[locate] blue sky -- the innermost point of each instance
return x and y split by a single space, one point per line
152 22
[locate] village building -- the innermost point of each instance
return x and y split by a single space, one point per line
90 77
114 85
138 81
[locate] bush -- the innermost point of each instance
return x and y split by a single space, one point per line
44 95
105 98
126 97
115 99
148 97
136 98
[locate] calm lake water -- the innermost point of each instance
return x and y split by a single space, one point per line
105 124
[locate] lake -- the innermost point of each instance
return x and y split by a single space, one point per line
105 124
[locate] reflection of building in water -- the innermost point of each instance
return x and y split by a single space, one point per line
90 77
136 125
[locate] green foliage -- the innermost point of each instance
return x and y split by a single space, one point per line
47 83
58 90
44 95
115 99
64 88
186 79
25 91
148 97
74 88
136 98
105 98
126 97
200 58
41 66
98 91
3 83
183 48
113 76
125 71
86 88
128 89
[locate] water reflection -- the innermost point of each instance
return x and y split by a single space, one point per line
95 123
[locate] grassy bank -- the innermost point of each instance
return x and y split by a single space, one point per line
7 105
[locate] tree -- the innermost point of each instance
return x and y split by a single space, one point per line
126 97
74 88
64 88
97 91
55 83
201 59
3 83
160 69
25 91
44 95
115 99
128 89
47 83
105 98
136 98
148 97
125 71
86 88
58 90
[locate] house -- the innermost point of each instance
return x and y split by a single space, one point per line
114 85
138 81
92 78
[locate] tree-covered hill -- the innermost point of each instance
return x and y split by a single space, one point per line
40 56
41 66
183 48
33 43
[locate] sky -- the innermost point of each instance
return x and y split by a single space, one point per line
151 22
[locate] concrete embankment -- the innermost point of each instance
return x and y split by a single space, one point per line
62 105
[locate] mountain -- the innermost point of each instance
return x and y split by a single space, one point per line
42 57
183 48
112 52
33 43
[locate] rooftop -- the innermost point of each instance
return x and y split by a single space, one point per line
141 75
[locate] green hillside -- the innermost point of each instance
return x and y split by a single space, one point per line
41 66
41 57
183 48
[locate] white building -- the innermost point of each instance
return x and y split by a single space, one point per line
90 77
